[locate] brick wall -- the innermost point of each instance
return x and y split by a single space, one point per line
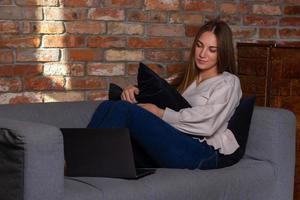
69 50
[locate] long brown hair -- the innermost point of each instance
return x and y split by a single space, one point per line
225 54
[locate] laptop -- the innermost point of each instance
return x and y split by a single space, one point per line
100 152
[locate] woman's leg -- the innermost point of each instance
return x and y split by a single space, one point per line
100 113
165 144
142 159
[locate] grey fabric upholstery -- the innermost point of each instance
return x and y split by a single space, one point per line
43 160
272 139
11 165
266 171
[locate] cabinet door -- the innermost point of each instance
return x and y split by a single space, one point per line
252 71
285 79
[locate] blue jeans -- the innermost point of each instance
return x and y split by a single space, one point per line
167 146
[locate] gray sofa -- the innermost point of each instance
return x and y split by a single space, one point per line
32 161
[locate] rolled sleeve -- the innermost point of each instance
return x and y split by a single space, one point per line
171 116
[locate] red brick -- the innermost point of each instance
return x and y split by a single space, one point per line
37 2
133 68
137 15
10 85
260 20
191 31
292 10
165 30
18 98
162 4
166 55
19 41
85 54
290 21
63 96
106 14
180 42
264 9
73 83
79 3
97 95
289 33
158 16
63 41
63 69
41 55
240 32
6 2
54 13
21 70
79 27
27 69
6 56
229 8
124 55
147 42
119 28
6 70
292 1
106 69
22 13
124 81
231 19
106 42
9 27
200 6
123 3
186 18
47 27
44 83
175 68
267 33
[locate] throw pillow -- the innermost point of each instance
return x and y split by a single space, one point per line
153 89
239 124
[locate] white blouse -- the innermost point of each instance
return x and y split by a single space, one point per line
213 103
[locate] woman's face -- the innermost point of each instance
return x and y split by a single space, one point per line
206 52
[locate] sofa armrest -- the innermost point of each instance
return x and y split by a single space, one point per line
272 138
31 161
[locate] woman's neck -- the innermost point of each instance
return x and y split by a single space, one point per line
204 75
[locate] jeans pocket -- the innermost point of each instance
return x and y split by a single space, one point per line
209 163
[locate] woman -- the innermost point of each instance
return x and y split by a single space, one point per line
193 137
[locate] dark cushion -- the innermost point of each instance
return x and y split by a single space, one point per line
239 124
153 89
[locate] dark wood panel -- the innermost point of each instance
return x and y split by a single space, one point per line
277 85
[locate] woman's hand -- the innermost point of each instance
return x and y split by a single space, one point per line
129 92
153 109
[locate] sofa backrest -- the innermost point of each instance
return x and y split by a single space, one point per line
59 114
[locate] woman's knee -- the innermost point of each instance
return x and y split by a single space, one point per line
124 104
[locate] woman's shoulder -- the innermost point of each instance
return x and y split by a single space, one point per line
229 78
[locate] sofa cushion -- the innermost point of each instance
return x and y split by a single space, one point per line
249 179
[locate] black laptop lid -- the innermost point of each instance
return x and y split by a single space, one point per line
98 152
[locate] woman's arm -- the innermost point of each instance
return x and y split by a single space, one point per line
204 120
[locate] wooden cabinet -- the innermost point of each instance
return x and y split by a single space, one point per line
272 73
